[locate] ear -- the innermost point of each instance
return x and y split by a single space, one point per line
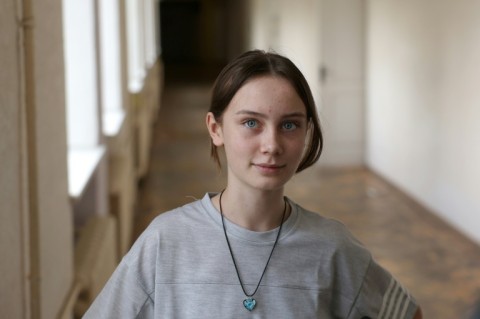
215 129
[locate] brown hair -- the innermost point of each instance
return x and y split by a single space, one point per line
257 63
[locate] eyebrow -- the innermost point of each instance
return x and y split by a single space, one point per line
262 115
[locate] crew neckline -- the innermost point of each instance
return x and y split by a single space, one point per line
256 237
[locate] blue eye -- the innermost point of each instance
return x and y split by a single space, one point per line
250 123
289 126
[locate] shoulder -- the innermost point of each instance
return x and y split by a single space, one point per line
362 285
180 217
328 232
176 224
167 224
164 231
329 242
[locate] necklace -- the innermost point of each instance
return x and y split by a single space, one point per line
249 303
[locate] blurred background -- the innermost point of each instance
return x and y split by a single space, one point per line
102 107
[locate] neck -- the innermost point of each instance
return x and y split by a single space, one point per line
257 211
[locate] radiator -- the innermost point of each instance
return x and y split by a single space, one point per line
95 260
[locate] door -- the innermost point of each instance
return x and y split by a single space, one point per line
342 109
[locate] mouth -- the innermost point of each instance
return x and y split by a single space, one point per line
269 168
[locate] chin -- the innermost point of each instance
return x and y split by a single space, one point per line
270 185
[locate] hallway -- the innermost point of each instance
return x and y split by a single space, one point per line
437 264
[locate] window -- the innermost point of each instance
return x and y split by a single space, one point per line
150 13
136 47
111 68
83 117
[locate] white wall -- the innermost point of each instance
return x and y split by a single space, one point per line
291 28
423 103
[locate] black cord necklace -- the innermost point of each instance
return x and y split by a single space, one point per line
249 303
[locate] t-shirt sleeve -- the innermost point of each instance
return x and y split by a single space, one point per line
129 291
381 296
122 297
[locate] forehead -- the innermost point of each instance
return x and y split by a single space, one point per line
267 93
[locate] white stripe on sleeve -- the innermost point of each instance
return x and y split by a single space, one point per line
395 302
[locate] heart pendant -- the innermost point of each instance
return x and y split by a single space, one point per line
249 304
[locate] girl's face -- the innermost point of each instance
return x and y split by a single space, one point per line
263 131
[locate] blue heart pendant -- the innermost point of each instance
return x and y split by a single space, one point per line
249 304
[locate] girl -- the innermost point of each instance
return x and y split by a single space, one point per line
248 251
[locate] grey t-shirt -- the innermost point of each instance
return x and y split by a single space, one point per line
181 267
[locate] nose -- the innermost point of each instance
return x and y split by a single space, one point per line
271 142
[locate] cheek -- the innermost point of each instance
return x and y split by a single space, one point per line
237 143
297 147
241 146
299 151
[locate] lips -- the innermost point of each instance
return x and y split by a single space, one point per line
269 168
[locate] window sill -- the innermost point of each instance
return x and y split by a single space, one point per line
82 164
136 85
113 122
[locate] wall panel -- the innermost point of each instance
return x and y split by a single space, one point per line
13 302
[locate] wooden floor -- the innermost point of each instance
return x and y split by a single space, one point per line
437 264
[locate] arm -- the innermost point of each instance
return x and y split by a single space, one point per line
418 314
